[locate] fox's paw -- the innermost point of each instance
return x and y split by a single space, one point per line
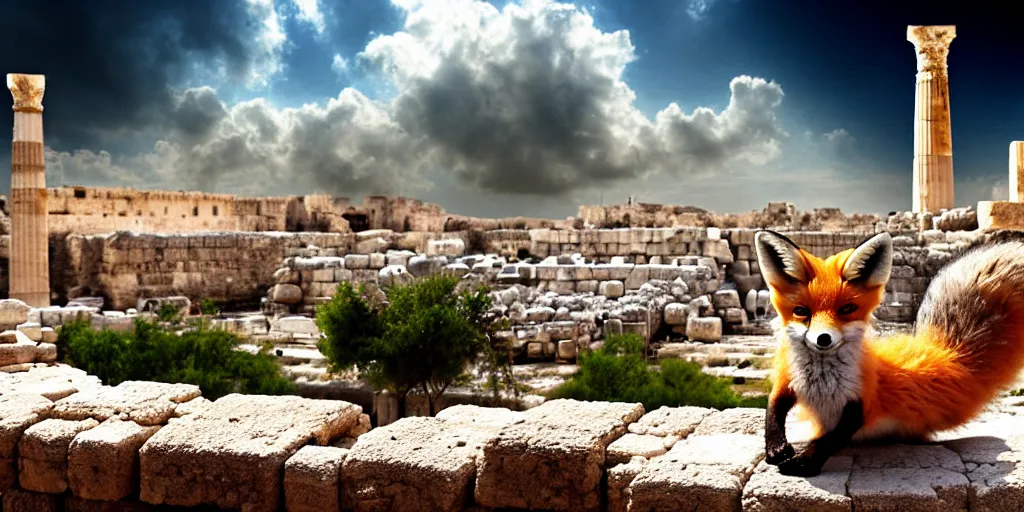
801 465
775 454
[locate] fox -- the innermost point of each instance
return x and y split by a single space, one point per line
966 347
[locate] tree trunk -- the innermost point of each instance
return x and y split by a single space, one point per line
401 403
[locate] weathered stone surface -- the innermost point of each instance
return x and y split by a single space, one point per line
908 477
611 289
738 420
770 491
619 478
76 504
312 479
13 312
103 463
995 468
671 421
707 329
43 454
53 382
675 314
232 453
414 464
146 403
480 418
20 350
709 470
623 449
18 500
287 293
554 458
18 412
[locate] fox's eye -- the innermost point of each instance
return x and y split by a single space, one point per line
847 309
801 311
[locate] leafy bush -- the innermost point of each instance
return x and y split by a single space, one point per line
424 336
617 372
205 357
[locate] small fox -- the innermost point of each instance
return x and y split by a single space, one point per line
967 346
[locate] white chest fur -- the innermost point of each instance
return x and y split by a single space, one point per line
825 383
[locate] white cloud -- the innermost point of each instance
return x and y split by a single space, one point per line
339 64
698 9
527 103
309 12
270 42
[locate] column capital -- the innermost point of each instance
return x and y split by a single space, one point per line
932 45
27 91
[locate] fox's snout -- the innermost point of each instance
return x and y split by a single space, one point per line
822 336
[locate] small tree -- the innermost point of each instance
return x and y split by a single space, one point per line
425 337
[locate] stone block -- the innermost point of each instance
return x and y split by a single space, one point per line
416 463
908 477
43 454
357 261
18 412
146 403
995 468
46 353
770 491
566 350
20 350
232 453
611 289
312 479
630 445
76 504
288 293
32 330
737 420
724 299
675 313
553 459
619 478
705 329
13 312
18 500
103 463
671 421
53 382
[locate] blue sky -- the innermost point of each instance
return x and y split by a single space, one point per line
527 107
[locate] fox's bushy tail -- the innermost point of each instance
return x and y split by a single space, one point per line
975 308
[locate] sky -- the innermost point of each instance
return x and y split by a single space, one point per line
523 107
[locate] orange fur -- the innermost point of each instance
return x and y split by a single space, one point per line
912 385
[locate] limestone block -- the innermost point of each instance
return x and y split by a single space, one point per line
996 215
312 479
611 289
612 327
416 463
357 261
46 353
719 250
566 350
675 313
298 325
630 445
450 247
43 454
53 382
76 504
13 312
103 463
737 420
562 287
735 316
671 421
995 468
724 299
554 459
18 412
479 417
18 500
287 293
709 470
32 330
540 314
48 335
285 275
323 275
619 478
587 286
146 403
770 491
922 476
705 329
638 276
232 453
22 350
371 245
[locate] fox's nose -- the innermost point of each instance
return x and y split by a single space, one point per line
824 340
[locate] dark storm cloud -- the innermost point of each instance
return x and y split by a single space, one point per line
109 63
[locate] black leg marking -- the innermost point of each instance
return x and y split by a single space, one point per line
776 447
810 461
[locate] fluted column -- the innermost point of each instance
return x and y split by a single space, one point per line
933 139
29 258
1017 172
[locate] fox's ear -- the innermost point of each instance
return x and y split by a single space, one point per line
870 263
780 259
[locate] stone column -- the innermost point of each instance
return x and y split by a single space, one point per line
1017 172
933 140
29 257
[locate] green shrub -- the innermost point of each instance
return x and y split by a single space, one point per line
617 372
425 337
205 357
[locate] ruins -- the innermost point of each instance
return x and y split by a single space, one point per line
685 279
933 135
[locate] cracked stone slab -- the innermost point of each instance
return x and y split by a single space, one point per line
619 478
103 462
908 477
146 403
629 445
232 453
481 417
554 457
18 412
704 470
53 382
995 468
739 420
312 479
770 491
414 464
43 454
671 421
